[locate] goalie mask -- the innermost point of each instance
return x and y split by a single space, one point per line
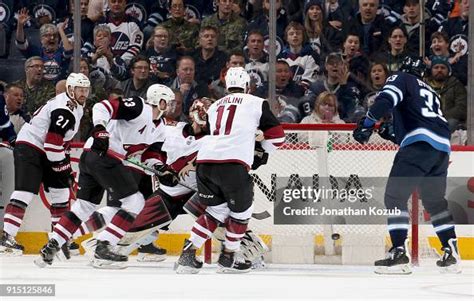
237 77
198 111
76 80
160 96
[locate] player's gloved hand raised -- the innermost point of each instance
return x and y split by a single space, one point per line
365 128
101 140
386 131
166 175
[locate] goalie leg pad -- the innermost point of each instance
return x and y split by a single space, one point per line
252 246
154 215
194 207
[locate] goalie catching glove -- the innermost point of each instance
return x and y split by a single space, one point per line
364 129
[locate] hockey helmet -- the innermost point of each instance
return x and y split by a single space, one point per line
156 93
76 80
414 66
237 77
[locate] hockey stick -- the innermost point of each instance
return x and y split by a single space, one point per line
8 146
258 215
138 163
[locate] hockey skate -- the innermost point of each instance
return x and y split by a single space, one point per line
47 253
450 262
188 263
397 262
74 248
232 263
106 258
151 253
9 246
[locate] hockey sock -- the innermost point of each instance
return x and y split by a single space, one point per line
116 229
66 226
14 214
398 228
235 230
57 210
202 229
94 223
443 225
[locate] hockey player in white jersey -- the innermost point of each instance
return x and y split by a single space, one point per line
176 194
224 184
40 156
119 124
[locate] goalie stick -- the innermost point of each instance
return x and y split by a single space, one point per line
8 146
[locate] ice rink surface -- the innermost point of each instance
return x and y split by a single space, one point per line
75 280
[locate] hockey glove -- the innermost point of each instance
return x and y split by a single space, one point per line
166 175
365 128
63 171
101 140
386 131
260 157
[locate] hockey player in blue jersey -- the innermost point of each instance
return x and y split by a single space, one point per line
7 132
421 162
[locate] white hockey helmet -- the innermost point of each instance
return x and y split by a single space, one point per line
156 93
237 77
76 80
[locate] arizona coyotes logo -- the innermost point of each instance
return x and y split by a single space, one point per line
142 130
71 105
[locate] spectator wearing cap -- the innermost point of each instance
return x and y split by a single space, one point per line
56 58
452 92
371 27
324 35
336 81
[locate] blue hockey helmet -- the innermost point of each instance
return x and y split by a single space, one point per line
413 65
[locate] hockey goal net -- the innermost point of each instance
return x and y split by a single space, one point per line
326 151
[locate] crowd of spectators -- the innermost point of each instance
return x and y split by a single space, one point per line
332 55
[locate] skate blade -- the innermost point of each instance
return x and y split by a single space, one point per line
182 269
144 257
40 263
226 270
401 269
453 269
5 251
74 252
108 265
